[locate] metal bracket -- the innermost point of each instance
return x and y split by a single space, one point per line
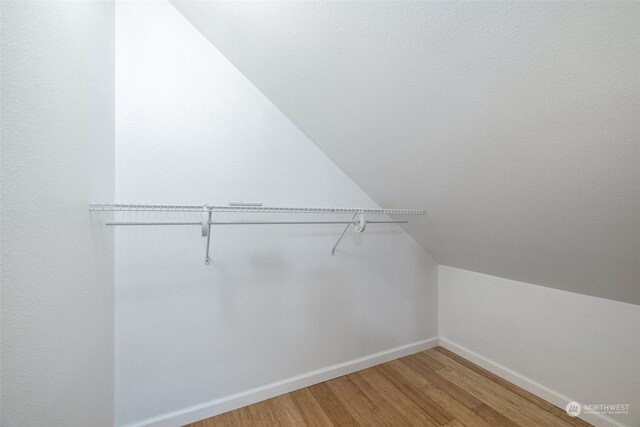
360 225
206 232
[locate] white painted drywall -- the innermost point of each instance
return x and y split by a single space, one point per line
57 262
515 124
560 345
190 128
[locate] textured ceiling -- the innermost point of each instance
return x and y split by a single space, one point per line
516 125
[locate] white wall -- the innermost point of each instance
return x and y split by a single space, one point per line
274 303
560 345
57 264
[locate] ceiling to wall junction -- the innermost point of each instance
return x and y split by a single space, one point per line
516 125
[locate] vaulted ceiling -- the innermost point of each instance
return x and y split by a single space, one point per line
516 125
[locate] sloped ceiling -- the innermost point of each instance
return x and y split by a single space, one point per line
516 125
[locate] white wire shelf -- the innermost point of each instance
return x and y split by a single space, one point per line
358 219
246 208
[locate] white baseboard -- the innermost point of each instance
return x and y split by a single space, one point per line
526 383
238 400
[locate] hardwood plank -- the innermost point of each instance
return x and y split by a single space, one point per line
493 417
332 405
309 408
574 421
242 416
285 411
416 379
261 414
419 365
413 413
461 413
490 375
356 402
530 397
446 386
509 404
383 409
402 382
431 363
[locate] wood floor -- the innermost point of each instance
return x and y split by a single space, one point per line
432 388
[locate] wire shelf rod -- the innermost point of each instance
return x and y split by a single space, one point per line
249 209
113 223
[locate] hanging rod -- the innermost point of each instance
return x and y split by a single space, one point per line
245 222
358 220
250 208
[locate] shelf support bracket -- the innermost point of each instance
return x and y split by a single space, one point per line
206 232
333 250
